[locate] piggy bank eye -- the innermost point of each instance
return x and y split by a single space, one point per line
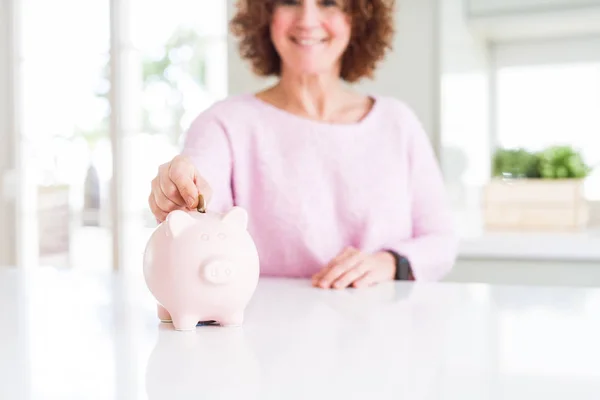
222 236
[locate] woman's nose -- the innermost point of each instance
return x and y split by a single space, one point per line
310 14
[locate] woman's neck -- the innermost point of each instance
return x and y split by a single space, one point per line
316 96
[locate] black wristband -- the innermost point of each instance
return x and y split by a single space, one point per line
403 270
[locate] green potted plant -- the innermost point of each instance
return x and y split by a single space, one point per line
536 190
515 163
562 162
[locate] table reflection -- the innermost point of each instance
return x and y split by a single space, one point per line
70 335
213 362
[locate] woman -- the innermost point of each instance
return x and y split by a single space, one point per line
339 186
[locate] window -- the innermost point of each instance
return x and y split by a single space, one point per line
523 93
65 138
552 104
175 66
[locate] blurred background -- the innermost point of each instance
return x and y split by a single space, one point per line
95 95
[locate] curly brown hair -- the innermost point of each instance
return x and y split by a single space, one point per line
372 33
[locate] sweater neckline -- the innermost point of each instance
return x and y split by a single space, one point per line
316 123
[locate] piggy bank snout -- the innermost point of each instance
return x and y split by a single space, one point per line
219 271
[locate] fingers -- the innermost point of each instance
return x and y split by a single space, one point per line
355 268
203 188
177 186
349 277
183 175
159 214
366 280
343 254
161 200
168 188
340 266
384 270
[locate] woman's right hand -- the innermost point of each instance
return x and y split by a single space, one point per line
176 187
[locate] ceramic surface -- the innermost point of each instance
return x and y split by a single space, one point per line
70 335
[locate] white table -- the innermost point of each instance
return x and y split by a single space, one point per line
68 335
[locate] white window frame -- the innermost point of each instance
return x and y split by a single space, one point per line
118 54
10 207
548 51
534 52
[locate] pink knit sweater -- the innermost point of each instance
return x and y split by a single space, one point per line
312 188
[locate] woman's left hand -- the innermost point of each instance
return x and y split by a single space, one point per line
353 267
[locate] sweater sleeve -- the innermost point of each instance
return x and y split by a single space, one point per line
433 247
207 144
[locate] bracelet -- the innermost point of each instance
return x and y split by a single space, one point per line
403 268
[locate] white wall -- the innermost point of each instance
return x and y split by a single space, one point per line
4 156
465 105
240 78
520 6
410 72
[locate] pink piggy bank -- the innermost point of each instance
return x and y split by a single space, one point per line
202 267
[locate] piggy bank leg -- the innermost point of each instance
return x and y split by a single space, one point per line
185 322
235 319
163 314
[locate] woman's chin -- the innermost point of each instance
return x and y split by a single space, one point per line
312 69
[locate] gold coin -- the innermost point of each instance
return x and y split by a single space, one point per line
201 204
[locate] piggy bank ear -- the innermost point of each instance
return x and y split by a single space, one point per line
178 221
237 216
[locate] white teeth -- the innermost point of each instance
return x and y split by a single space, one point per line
309 42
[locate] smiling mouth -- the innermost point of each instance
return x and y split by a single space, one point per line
309 41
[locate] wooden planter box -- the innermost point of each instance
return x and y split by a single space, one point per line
535 204
54 225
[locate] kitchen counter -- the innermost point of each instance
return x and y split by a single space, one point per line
89 335
480 244
543 246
